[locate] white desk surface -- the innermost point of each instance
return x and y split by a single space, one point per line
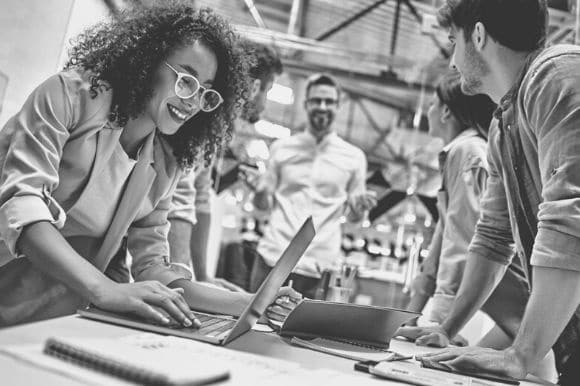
13 372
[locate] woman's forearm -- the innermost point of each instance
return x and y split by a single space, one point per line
204 298
47 250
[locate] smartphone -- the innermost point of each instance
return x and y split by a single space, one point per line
487 377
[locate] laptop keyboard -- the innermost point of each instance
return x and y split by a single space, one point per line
210 325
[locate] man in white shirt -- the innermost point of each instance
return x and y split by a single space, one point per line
311 173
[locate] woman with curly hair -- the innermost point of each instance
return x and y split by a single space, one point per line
95 154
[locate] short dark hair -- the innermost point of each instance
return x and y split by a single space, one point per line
264 61
517 24
471 111
321 79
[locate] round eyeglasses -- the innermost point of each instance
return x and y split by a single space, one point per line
186 86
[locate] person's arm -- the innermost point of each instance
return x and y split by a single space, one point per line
198 245
490 253
182 216
465 175
552 102
268 182
201 229
547 313
423 286
30 217
358 199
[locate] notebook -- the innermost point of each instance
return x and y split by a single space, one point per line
221 330
142 364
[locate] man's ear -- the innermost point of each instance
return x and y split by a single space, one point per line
446 114
255 89
479 36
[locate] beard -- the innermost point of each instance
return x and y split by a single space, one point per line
320 121
251 112
471 81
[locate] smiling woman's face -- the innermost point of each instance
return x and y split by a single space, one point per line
166 109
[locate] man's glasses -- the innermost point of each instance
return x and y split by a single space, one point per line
187 86
319 101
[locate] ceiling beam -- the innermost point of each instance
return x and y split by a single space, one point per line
350 20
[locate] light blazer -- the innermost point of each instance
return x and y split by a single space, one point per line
59 160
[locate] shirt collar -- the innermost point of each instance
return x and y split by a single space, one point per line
511 96
327 138
467 133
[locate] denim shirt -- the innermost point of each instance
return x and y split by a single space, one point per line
533 187
464 171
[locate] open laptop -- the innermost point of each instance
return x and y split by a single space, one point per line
221 330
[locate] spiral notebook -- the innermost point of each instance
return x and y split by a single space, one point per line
147 364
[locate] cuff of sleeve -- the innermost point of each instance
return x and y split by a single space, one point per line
187 215
553 249
498 253
20 211
163 272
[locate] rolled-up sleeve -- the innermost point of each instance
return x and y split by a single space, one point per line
552 99
31 146
147 242
493 238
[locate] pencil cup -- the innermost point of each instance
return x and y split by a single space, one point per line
339 294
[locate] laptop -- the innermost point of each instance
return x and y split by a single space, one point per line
220 330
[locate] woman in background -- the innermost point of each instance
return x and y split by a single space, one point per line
462 123
95 154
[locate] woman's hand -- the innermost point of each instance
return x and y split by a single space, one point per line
285 302
148 299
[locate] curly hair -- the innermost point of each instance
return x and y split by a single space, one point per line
126 52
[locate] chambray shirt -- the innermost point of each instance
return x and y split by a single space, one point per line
310 178
543 118
464 171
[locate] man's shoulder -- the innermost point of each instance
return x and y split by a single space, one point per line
348 147
554 63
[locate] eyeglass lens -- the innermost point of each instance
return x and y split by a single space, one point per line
188 86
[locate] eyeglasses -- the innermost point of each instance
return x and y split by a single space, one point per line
319 101
187 86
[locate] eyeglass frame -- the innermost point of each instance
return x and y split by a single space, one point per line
181 75
327 101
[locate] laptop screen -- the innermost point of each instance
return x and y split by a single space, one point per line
270 287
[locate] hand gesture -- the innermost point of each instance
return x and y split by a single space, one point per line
364 201
148 299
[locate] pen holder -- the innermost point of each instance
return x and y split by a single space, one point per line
339 294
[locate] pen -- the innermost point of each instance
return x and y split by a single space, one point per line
400 358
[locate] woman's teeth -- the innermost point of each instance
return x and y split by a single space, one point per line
181 115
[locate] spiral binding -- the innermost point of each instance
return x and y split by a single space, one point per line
97 362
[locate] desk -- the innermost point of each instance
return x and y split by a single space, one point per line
268 344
